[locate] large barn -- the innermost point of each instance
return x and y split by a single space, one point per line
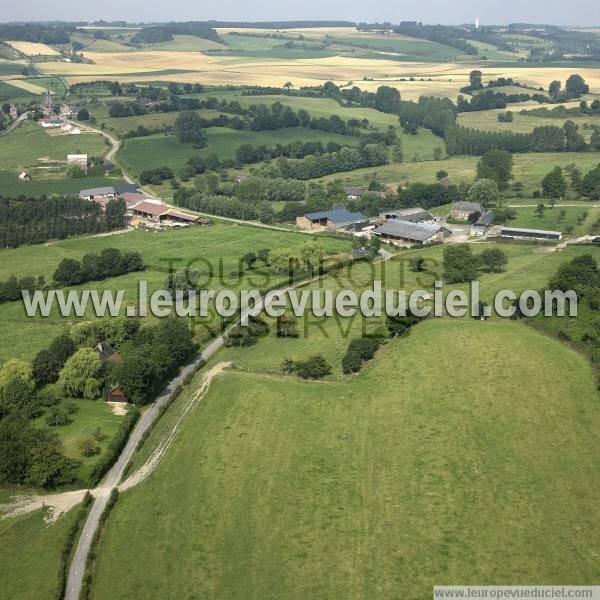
338 218
406 232
414 215
520 233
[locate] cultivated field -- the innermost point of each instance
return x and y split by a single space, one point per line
26 85
33 48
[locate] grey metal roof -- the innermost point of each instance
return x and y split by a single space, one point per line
418 232
523 230
125 188
99 191
409 214
470 206
487 219
338 215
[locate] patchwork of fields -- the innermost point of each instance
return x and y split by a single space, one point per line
379 484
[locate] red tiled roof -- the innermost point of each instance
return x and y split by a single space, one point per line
149 208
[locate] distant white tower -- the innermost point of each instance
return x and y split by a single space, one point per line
476 22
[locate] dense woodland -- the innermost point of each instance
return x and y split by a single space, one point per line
36 220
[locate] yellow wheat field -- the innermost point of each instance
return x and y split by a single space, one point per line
446 78
25 85
33 49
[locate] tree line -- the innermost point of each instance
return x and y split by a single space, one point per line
37 220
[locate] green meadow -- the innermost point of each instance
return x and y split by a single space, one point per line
29 146
30 557
139 154
377 485
219 247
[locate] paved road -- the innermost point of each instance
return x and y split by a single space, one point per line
15 123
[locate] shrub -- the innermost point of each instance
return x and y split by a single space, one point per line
314 367
89 447
360 350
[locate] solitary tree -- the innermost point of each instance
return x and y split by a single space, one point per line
460 264
484 191
494 259
554 184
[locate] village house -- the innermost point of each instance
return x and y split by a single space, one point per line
336 219
13 112
106 352
406 232
24 176
462 211
414 215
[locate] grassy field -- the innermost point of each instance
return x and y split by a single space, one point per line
552 219
378 485
11 68
187 43
422 145
30 556
30 146
487 120
529 169
121 125
139 154
90 415
39 186
407 48
222 245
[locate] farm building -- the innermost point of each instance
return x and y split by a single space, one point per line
97 193
116 394
149 210
125 188
463 210
414 215
483 223
338 218
24 176
132 198
410 233
530 234
177 216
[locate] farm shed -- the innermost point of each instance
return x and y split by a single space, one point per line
410 233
